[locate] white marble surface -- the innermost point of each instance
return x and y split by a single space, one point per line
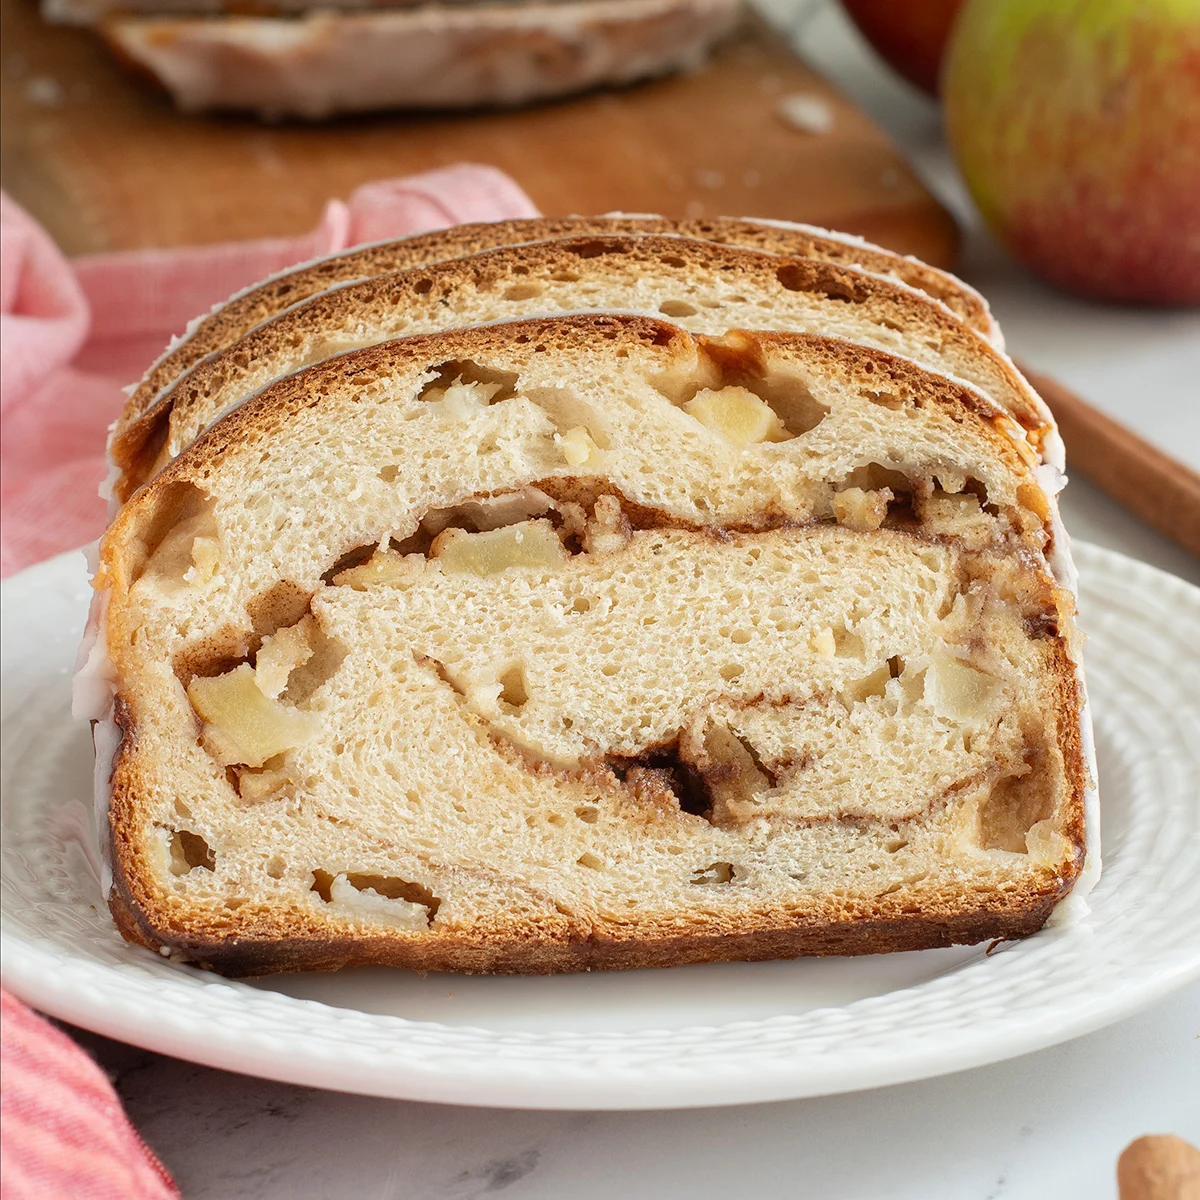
1048 1124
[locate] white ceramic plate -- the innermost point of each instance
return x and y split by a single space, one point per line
688 1036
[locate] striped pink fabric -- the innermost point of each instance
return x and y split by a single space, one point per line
63 1135
72 334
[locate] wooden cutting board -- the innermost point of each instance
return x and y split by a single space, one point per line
106 164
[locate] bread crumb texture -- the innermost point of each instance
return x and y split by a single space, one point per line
706 288
231 321
587 641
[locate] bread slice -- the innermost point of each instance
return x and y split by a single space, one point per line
91 12
233 320
586 642
706 287
327 63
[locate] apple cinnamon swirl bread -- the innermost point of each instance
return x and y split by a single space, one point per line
233 320
589 642
706 287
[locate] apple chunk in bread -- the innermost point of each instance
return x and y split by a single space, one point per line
242 723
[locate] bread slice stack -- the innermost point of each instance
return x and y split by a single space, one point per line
291 58
600 593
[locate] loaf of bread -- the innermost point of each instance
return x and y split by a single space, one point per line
91 12
704 286
591 641
324 62
232 320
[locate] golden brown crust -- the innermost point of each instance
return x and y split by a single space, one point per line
140 433
810 934
237 317
285 941
249 941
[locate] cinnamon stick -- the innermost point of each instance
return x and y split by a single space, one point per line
1164 492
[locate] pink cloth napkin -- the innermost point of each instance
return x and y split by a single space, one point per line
72 334
62 1131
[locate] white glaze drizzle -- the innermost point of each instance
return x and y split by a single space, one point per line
106 738
1073 907
93 699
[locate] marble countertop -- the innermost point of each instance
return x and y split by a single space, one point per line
1046 1124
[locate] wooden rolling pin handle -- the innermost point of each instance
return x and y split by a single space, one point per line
1154 486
